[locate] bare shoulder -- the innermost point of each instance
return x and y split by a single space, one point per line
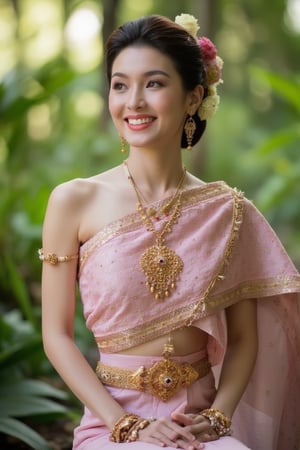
80 191
66 207
80 207
71 194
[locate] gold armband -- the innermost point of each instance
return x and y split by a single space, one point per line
53 259
218 421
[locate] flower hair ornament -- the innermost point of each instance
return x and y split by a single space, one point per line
212 65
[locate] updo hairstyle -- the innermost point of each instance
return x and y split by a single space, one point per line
173 41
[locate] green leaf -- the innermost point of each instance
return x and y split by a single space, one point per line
20 351
277 189
19 430
280 139
28 405
20 290
287 88
31 388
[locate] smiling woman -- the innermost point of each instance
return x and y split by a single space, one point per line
141 99
190 296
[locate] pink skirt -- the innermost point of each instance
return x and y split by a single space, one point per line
92 433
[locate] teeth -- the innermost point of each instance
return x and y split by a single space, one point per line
139 121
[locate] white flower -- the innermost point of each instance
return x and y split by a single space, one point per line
219 62
189 22
212 90
208 107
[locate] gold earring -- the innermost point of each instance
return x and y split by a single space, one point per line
123 145
190 128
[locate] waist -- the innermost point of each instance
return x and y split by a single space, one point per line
161 377
132 361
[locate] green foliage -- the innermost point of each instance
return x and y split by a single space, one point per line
18 429
20 396
19 290
288 88
279 152
286 176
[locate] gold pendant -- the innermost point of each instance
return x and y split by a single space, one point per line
161 265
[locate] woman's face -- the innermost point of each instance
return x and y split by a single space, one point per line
147 101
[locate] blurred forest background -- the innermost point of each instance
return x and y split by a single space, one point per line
54 126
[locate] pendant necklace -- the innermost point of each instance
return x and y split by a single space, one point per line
160 264
164 209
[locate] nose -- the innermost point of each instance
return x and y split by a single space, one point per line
136 99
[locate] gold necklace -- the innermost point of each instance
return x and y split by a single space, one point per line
160 264
164 208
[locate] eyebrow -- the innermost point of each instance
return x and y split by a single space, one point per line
149 73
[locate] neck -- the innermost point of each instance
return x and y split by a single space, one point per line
157 176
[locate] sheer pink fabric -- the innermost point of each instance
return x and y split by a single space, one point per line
122 313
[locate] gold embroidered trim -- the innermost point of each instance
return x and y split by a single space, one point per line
262 288
133 221
163 325
135 336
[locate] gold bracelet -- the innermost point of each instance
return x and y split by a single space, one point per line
53 259
218 421
133 433
122 426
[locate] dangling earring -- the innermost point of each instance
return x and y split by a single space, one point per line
190 128
123 145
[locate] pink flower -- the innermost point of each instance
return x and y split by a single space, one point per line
208 49
213 72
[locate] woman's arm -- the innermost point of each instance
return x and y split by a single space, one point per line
236 370
60 236
240 355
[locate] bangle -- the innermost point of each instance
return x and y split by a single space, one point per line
122 426
133 433
127 428
218 421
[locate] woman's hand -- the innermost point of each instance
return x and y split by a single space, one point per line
165 432
198 425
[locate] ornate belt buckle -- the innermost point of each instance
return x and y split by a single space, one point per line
166 377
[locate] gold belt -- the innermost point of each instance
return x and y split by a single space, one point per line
163 379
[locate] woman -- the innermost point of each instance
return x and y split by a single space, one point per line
189 294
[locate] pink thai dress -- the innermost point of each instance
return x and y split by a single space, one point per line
229 253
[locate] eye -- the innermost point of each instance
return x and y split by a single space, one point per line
118 86
154 84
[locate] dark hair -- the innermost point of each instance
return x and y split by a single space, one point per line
171 39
